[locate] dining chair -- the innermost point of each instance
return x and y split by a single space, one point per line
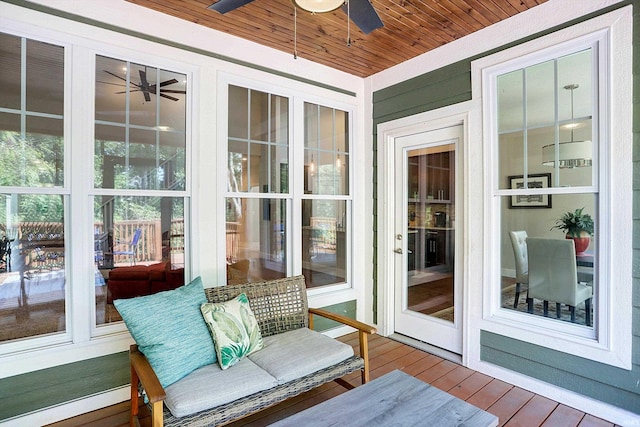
519 243
553 277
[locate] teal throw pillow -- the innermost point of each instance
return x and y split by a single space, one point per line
170 331
234 328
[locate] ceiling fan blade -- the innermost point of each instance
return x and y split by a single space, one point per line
364 15
169 97
168 82
172 91
224 6
115 75
144 85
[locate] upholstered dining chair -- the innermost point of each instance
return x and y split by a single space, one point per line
553 277
519 243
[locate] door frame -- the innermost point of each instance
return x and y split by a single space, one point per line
457 114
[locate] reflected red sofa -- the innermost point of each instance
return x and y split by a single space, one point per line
138 280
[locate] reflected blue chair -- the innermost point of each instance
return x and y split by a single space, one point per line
132 247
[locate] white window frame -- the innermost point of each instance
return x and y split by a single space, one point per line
321 296
610 341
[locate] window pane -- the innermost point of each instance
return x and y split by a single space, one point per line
545 120
258 157
570 280
140 134
45 78
31 146
324 244
238 166
138 248
259 115
326 151
32 265
10 57
238 112
35 160
256 239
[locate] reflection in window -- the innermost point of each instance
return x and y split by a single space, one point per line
256 239
31 143
326 173
324 250
32 231
32 265
140 136
546 126
138 248
258 150
326 151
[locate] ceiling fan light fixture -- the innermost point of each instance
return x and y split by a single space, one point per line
318 6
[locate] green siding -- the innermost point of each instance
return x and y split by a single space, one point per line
345 308
41 389
446 86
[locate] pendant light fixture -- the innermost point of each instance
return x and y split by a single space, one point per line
570 154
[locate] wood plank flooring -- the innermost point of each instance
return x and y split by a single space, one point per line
514 406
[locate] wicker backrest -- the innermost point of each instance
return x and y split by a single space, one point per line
279 305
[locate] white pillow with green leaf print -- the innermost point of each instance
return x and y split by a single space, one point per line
234 328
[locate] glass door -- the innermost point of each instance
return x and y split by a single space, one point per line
427 296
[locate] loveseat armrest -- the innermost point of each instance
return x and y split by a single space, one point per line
364 331
142 371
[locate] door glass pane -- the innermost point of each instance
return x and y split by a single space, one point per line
138 249
431 231
32 265
256 232
324 243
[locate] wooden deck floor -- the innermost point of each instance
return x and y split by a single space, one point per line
512 405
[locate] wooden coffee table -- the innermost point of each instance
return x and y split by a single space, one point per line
394 399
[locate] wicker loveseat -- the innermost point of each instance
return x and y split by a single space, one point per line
281 310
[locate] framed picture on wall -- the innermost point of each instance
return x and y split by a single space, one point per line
536 180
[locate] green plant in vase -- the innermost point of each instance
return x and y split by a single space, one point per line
577 226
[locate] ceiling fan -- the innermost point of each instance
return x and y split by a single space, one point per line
361 12
148 89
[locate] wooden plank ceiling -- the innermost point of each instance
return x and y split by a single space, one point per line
411 27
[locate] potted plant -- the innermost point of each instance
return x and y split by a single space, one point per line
577 226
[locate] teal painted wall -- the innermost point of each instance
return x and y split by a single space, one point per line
348 308
41 389
452 84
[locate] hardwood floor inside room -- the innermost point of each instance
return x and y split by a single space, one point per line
512 405
431 297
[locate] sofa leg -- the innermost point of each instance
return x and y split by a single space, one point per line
364 353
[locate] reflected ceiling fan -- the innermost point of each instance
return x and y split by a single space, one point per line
361 12
149 89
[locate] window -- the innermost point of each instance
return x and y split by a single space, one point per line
265 191
550 137
34 192
258 187
547 120
326 195
139 196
